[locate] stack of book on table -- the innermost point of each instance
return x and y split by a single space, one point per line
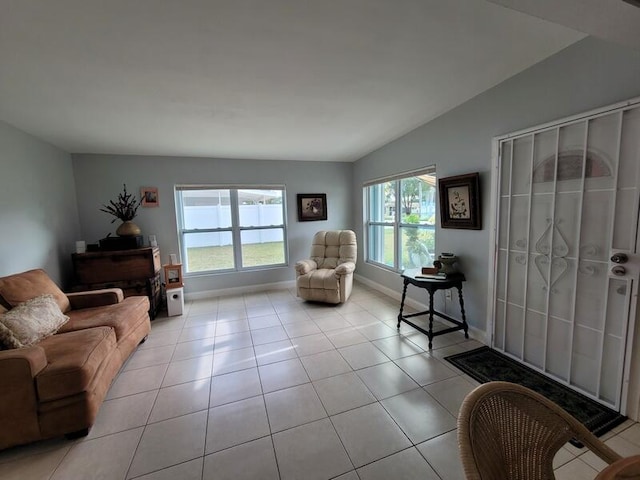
432 276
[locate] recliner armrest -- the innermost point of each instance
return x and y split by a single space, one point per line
305 266
95 298
345 268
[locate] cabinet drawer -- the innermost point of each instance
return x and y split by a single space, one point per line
139 285
116 266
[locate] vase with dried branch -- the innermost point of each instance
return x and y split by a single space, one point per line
124 208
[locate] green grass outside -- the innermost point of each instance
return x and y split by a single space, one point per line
201 259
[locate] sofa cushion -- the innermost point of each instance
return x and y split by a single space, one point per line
73 360
123 317
30 322
18 288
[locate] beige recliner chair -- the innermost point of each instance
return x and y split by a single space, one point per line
328 275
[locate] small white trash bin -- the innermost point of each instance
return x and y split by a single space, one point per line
175 301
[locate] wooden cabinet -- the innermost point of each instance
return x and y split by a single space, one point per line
136 272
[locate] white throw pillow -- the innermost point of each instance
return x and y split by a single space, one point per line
30 322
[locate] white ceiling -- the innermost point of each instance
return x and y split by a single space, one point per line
264 79
612 20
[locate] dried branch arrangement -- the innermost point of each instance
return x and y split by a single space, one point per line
124 208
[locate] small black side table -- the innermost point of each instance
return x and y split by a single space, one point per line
432 286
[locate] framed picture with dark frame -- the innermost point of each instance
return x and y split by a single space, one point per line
149 196
312 206
460 201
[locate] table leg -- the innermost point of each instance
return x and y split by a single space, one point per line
464 318
404 294
430 335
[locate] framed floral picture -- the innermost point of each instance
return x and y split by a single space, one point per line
460 201
312 206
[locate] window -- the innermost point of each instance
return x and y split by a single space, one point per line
400 220
231 229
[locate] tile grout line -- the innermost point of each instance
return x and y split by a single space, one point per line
150 411
299 357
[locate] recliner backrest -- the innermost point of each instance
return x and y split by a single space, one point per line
331 248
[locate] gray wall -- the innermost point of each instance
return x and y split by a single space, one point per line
99 178
584 76
41 208
38 210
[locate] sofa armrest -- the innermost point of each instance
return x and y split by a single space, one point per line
18 395
305 266
24 362
95 298
345 268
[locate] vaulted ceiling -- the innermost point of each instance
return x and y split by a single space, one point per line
327 80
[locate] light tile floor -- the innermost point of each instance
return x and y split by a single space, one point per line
266 386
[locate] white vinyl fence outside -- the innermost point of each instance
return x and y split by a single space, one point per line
214 216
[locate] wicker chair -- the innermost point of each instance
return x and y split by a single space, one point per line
508 432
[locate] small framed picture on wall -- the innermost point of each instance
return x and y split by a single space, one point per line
149 196
460 202
312 206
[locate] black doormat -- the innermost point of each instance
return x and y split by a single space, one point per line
486 365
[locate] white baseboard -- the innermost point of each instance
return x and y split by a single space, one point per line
390 292
222 292
474 333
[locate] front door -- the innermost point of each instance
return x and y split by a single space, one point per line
567 266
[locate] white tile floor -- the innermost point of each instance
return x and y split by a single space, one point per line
265 386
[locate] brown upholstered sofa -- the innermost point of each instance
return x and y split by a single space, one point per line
56 386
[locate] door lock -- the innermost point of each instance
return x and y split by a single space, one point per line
619 258
618 270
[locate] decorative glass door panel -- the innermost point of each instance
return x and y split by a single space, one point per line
568 204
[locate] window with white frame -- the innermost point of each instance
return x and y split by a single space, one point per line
400 220
224 228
